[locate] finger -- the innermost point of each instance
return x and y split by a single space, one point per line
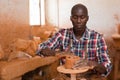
77 66
79 61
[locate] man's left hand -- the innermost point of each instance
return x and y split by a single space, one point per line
100 69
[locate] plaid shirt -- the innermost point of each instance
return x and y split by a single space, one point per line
91 43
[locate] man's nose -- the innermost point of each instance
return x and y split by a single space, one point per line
78 19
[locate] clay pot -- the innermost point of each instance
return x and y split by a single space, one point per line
70 61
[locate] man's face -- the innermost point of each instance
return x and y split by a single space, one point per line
79 18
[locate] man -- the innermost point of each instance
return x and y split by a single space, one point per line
84 41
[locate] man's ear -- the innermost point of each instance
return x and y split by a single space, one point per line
71 18
87 18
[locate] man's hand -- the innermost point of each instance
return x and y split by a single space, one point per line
100 69
83 63
47 52
97 70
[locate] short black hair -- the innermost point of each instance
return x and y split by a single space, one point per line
79 6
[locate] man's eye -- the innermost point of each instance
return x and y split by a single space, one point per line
82 17
75 17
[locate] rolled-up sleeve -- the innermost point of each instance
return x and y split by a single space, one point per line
51 43
104 58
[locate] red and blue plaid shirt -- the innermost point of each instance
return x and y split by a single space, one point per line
91 43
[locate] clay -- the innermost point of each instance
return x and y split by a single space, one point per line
27 46
70 61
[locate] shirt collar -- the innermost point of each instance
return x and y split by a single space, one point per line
85 34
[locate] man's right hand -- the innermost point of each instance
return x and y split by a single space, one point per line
47 52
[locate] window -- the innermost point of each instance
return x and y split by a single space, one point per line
36 12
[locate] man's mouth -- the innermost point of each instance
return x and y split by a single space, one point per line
79 26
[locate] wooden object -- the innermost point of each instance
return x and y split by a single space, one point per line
116 67
14 69
72 72
116 39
